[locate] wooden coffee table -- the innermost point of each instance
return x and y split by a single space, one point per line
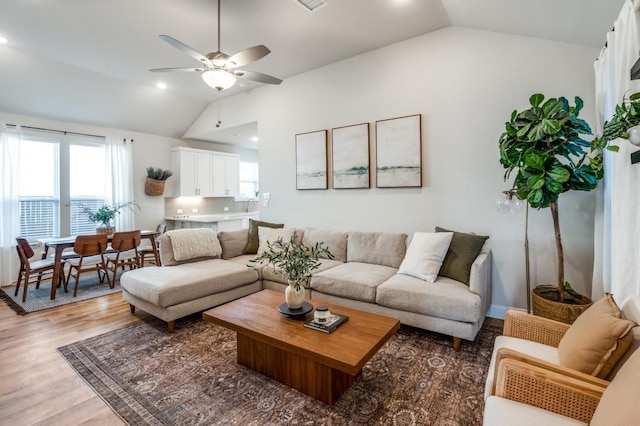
318 364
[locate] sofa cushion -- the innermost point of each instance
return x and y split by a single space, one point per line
425 254
597 339
168 286
269 274
446 298
253 241
271 235
233 243
336 241
378 248
619 402
204 251
463 250
352 280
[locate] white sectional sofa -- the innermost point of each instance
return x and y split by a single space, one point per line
364 274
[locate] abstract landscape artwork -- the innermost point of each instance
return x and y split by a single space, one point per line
311 160
351 156
399 152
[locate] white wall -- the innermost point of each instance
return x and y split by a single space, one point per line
148 150
465 83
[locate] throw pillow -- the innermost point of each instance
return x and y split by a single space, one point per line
597 339
254 240
270 235
425 254
233 242
463 250
183 245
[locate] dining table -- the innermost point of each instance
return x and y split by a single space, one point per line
60 244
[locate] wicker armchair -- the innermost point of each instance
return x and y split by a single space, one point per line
539 393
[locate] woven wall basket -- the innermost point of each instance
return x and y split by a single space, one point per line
154 186
554 310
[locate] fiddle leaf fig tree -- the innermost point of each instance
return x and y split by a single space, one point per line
545 148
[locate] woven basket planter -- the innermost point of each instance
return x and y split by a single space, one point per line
552 309
154 187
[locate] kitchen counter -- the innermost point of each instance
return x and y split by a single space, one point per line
217 222
205 218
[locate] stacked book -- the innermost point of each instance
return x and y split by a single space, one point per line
329 325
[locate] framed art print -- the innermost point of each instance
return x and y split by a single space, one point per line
350 149
311 160
399 152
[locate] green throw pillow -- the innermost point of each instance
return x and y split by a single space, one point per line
254 242
463 250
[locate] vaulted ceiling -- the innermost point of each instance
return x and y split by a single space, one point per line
87 61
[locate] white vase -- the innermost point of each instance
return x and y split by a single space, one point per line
293 297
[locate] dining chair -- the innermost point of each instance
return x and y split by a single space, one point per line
43 268
148 251
91 250
123 253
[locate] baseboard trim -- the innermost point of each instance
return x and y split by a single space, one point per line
499 312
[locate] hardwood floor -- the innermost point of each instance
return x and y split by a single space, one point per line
37 386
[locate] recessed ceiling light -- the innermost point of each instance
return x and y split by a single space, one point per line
4 40
254 139
161 85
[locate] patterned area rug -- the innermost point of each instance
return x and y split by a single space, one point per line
190 377
40 299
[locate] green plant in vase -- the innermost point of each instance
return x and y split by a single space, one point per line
544 146
295 261
105 214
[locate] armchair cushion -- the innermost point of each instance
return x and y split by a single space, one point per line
501 411
597 339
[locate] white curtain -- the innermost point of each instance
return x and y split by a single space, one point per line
617 252
119 179
10 206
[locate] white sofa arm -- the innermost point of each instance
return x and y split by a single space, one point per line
480 278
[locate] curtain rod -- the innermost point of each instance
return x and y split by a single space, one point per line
64 132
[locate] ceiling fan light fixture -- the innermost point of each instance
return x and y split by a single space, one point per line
219 79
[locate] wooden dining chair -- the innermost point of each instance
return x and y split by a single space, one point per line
43 268
90 249
123 253
148 252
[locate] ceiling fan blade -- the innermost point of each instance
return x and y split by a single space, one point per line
249 55
177 69
257 76
184 48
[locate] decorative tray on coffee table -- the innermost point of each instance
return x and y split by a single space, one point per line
284 309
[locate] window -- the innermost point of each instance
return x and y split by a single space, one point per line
56 176
249 179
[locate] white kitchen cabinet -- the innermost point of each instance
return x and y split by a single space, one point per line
226 177
203 173
193 171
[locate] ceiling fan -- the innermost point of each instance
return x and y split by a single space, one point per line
219 70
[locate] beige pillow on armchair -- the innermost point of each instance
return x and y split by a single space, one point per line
597 339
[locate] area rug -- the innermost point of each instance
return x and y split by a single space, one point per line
40 299
190 377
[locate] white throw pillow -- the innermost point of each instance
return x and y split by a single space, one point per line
425 255
270 235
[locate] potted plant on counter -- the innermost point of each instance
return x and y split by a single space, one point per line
543 145
295 262
156 177
105 215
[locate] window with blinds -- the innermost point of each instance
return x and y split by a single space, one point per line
248 173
